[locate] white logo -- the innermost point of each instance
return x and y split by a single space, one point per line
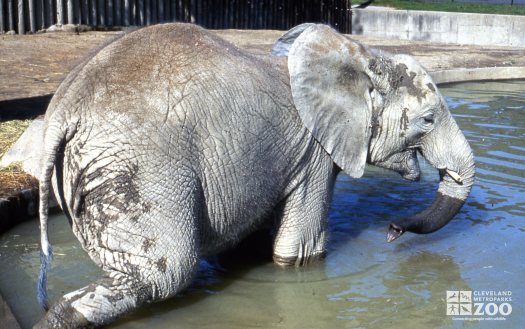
478 305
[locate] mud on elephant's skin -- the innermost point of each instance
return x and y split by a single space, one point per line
170 144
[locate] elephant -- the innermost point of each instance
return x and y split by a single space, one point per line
170 144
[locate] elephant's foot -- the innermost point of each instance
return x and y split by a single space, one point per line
97 304
286 261
63 315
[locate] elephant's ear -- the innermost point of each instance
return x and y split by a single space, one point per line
332 93
281 47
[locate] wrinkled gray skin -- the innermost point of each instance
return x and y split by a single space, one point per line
171 144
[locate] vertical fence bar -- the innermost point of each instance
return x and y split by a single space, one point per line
109 12
173 11
10 15
153 11
101 12
94 13
84 17
229 18
60 12
21 18
160 11
193 9
126 20
77 12
242 15
48 8
118 13
187 14
32 16
2 23
133 12
147 5
70 15
141 19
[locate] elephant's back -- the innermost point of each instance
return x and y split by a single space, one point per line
169 73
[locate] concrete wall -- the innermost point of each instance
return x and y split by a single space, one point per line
462 28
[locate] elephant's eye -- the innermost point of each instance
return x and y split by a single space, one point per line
428 118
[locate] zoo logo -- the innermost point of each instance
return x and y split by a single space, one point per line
460 302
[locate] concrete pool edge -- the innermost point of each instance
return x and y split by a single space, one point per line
478 74
7 318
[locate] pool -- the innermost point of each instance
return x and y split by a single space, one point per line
364 281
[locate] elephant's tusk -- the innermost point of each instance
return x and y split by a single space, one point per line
454 175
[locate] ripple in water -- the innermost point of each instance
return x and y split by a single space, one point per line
364 282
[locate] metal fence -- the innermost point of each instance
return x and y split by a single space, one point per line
492 2
21 16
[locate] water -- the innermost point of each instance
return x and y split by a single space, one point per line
364 282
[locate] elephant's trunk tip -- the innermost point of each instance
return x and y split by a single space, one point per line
394 232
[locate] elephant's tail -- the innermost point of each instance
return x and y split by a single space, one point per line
54 138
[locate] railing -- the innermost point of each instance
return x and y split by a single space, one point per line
21 16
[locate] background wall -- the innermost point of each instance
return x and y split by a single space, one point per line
462 28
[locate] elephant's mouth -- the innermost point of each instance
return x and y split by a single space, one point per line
404 163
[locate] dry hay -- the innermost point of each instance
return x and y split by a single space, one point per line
12 178
10 131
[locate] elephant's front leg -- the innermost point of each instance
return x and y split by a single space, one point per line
301 235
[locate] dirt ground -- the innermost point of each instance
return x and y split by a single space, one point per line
32 66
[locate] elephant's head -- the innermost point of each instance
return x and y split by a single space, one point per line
364 106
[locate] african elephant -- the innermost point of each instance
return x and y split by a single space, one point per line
171 144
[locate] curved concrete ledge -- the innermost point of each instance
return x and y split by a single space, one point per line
7 319
18 208
478 74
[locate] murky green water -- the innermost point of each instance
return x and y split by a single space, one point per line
364 282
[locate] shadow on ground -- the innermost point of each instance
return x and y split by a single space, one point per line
24 108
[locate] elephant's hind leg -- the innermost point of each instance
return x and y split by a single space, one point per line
147 258
118 293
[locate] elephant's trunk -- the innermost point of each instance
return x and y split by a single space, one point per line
447 149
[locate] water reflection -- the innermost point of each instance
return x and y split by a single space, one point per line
403 296
364 282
